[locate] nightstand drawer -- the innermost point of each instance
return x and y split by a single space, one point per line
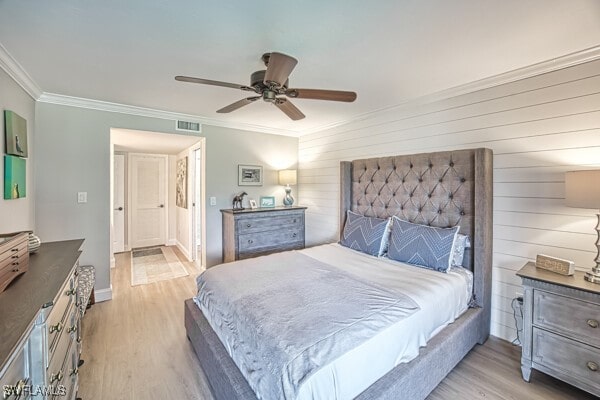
574 318
252 225
272 239
566 357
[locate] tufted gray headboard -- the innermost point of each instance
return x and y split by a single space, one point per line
440 189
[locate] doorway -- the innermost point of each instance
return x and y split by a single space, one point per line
119 203
197 222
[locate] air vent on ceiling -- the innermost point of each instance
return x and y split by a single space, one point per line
188 126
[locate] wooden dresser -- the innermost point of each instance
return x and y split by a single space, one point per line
14 258
40 326
251 233
561 332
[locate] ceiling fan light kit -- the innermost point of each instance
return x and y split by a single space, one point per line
272 85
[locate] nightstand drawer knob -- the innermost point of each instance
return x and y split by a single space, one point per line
294 235
248 225
592 323
592 366
250 241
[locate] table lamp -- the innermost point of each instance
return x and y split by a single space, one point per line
582 190
288 177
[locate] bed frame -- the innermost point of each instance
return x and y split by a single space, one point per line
439 189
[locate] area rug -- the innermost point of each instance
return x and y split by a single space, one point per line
155 265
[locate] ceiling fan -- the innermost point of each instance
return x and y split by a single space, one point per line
272 84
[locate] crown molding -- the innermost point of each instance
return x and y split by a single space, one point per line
53 98
12 67
544 67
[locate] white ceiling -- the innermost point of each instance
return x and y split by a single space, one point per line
388 51
150 142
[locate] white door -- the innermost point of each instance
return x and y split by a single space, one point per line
148 196
119 204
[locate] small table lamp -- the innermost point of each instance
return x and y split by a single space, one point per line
582 189
288 177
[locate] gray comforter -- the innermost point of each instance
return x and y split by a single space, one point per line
284 316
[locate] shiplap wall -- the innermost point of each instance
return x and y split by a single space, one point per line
538 128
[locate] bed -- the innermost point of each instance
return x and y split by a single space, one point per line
440 189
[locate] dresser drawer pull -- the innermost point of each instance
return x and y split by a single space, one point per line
56 377
70 292
592 323
14 250
56 328
13 257
73 371
15 263
294 234
294 221
76 273
250 241
72 329
248 225
15 270
592 366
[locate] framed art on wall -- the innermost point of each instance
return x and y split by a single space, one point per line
15 129
250 175
181 183
14 177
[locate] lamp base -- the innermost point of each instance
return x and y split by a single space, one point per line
593 276
288 200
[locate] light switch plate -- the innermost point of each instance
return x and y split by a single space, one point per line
82 197
213 201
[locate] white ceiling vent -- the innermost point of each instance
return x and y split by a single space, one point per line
188 126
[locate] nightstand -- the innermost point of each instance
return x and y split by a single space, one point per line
561 336
251 233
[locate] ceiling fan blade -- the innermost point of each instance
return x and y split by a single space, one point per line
289 109
318 94
213 83
238 104
279 68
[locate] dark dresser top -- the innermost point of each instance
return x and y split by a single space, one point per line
575 281
262 209
21 301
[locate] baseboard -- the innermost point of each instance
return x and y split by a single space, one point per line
185 251
103 294
172 242
112 262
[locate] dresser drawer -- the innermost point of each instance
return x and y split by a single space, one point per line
273 239
567 357
8 258
269 223
56 368
57 319
16 376
14 245
574 318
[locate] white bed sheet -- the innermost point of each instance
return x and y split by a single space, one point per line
441 297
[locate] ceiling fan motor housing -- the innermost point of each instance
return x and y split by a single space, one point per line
257 80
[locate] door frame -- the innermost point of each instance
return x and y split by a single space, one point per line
130 191
124 189
201 146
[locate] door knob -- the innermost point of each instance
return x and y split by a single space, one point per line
119 209
162 206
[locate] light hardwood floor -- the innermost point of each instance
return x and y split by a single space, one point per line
135 348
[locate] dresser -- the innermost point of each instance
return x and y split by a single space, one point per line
251 233
561 333
40 326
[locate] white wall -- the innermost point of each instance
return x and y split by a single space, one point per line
17 214
538 128
76 157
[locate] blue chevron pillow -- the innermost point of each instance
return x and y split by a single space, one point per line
422 245
365 234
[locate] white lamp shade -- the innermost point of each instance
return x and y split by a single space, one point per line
582 189
287 177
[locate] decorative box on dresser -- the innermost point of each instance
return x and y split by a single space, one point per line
561 336
251 233
40 326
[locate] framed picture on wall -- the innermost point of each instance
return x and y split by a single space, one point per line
181 183
15 177
250 175
15 128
